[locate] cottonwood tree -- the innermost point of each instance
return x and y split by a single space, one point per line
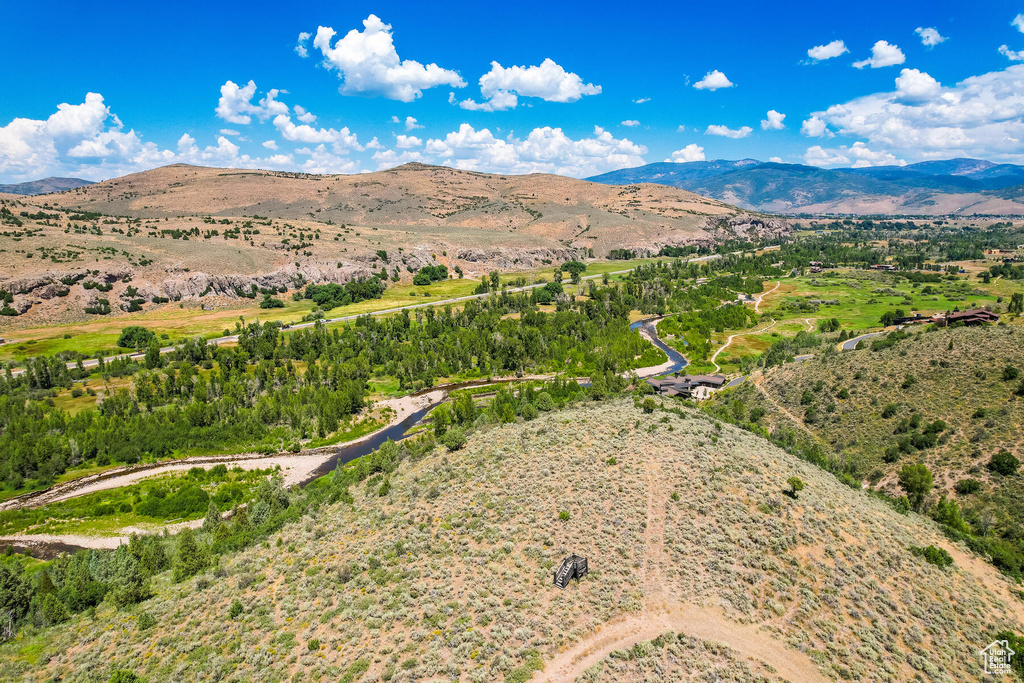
916 481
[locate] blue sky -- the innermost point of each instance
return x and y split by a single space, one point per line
571 88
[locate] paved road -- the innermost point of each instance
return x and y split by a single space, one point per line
92 362
851 344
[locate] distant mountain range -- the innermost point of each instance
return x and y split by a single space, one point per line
45 186
955 186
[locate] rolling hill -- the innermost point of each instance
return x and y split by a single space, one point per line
701 568
948 399
185 232
956 186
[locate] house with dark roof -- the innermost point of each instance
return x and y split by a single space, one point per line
687 386
975 316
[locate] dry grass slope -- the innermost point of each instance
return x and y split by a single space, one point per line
962 386
448 576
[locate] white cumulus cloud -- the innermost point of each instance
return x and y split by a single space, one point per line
713 80
544 150
407 141
774 121
302 115
727 132
820 53
501 87
1012 55
930 37
342 139
691 152
235 104
88 141
630 123
814 127
981 117
389 158
883 54
300 44
641 100
1018 21
368 64
913 85
857 155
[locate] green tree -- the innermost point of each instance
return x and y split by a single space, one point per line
130 585
15 596
454 439
796 485
135 337
916 481
212 519
1016 306
1004 463
442 419
153 360
545 402
124 676
191 557
649 405
385 458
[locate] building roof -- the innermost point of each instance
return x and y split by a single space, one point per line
973 314
705 379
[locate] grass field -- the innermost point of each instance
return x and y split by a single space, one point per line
861 298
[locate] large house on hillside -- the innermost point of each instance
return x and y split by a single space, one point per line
687 386
975 316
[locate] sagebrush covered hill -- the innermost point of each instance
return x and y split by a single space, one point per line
862 405
702 568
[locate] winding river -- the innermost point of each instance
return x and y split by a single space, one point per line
52 547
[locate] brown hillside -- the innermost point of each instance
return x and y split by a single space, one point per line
562 210
182 231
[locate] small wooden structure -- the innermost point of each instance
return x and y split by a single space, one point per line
572 567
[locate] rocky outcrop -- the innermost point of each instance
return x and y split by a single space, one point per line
189 285
506 258
52 281
746 226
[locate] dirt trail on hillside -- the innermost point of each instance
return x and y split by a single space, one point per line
662 612
778 406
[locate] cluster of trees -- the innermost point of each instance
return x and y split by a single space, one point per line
332 295
79 582
273 390
429 274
